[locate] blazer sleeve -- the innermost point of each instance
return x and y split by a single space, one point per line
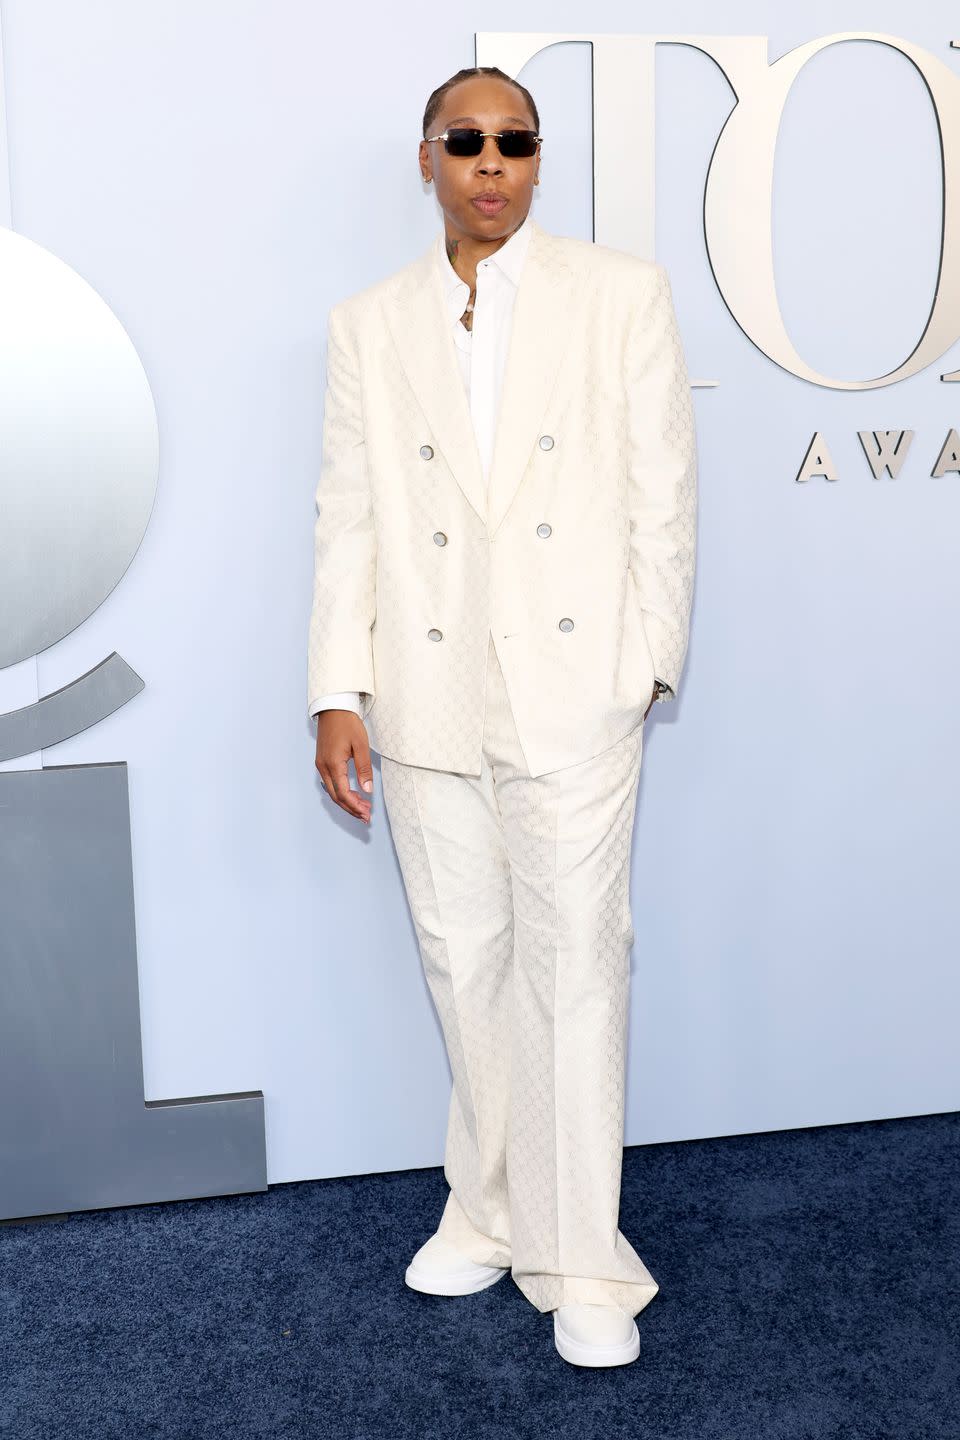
340 642
662 463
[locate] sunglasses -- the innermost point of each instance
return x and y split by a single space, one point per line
514 144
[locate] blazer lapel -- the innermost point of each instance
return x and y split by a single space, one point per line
540 332
417 320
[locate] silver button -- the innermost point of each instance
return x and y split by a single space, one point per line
426 452
546 442
544 529
566 623
435 634
439 538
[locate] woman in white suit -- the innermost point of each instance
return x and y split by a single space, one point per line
505 545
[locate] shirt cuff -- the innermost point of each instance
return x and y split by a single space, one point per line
337 700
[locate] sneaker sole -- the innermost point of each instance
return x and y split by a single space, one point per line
577 1353
465 1283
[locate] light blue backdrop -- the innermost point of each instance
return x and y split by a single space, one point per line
222 174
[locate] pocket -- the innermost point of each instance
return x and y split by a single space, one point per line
635 634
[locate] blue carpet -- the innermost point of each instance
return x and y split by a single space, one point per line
809 1290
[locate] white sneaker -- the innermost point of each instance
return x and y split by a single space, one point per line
439 1268
595 1334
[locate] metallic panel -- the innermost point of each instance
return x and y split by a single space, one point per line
67 711
79 451
75 1133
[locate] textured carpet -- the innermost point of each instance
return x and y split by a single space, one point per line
809 1290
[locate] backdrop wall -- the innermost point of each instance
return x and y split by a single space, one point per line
222 174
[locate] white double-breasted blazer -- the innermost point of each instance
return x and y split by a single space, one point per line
576 553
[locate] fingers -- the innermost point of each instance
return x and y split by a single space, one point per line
336 781
333 759
361 760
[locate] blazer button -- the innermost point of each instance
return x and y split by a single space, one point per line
426 452
566 623
439 538
546 442
435 634
544 530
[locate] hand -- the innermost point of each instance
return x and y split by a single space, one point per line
340 734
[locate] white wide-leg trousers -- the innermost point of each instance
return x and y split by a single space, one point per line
519 892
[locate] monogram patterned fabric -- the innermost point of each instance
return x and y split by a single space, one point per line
576 554
519 891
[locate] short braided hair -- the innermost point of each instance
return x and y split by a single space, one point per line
436 99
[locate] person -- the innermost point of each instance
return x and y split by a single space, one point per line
504 559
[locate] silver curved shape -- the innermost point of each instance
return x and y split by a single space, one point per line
79 449
65 712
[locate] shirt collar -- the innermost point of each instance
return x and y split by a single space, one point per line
508 259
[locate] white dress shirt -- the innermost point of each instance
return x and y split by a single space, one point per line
482 353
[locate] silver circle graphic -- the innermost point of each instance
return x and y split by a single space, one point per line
79 449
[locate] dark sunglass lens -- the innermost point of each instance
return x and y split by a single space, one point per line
518 144
464 142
